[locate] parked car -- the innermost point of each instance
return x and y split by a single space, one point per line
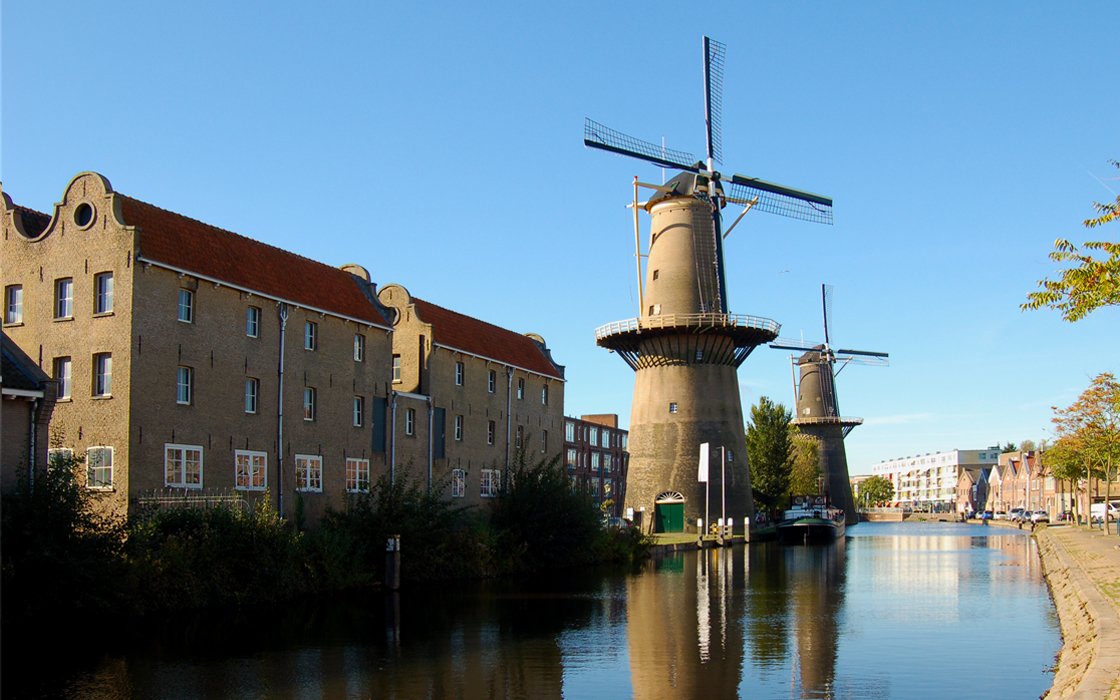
1040 516
1017 515
986 515
1096 511
618 523
1000 515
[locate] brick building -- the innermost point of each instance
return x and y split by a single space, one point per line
596 456
194 361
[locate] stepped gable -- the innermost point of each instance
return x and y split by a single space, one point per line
470 335
208 251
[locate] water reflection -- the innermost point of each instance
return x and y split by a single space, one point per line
896 611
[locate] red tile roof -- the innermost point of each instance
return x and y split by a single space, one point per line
454 330
193 246
34 222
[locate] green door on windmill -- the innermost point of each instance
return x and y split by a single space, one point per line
669 517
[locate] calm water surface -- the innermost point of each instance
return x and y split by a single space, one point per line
897 611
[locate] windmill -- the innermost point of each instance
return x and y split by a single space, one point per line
685 346
818 410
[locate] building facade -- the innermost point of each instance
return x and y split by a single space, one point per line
929 481
26 403
195 363
596 457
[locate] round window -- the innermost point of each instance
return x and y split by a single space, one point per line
83 214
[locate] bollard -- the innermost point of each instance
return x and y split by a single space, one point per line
699 533
730 531
393 562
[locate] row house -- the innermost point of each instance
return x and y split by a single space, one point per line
972 489
1021 480
189 360
596 457
930 481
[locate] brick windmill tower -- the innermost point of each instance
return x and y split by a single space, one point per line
684 346
818 410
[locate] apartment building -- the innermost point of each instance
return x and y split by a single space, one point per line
596 457
194 362
930 480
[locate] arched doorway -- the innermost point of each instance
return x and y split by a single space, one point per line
668 512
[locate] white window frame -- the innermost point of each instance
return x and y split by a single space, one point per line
359 412
491 429
13 304
570 431
64 298
396 369
410 421
309 473
182 480
459 373
99 484
250 466
253 322
359 347
490 483
594 439
184 385
458 483
673 408
459 428
103 293
492 381
103 374
595 462
572 458
252 395
544 395
310 399
357 475
520 389
310 335
185 307
63 374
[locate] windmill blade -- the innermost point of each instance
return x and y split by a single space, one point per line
826 305
782 200
866 360
862 353
714 53
596 135
800 345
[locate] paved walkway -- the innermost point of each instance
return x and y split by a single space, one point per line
1083 569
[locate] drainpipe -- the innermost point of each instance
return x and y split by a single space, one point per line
283 312
431 410
509 417
33 444
393 439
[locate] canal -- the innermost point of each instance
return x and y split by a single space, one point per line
896 611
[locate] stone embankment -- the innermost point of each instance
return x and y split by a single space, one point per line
1082 568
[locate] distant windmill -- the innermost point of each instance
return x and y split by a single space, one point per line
684 346
818 410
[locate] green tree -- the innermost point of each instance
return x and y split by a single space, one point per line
1090 426
804 462
1009 447
768 450
875 491
1090 282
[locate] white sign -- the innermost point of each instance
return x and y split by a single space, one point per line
703 474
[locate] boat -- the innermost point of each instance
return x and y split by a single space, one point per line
811 519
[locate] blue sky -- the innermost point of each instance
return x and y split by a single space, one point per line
440 145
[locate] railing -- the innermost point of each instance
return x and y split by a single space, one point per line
714 320
191 498
826 419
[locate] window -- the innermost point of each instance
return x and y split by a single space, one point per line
672 407
544 395
103 374
396 368
250 470
103 293
359 411
519 434
13 303
606 464
59 456
309 473
309 403
569 431
359 347
252 394
186 306
410 421
99 467
491 483
595 462
458 374
544 441
491 381
458 483
594 437
253 322
459 428
64 298
62 376
182 466
520 388
606 438
310 335
184 380
490 428
357 475
571 462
